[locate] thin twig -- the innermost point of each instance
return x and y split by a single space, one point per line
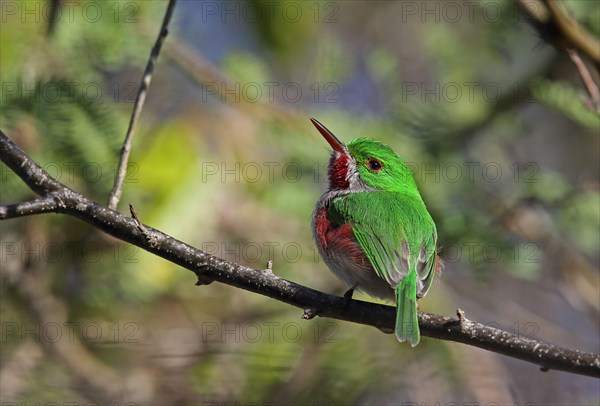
586 78
141 226
204 265
115 194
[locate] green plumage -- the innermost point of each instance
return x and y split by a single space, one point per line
393 228
407 323
373 229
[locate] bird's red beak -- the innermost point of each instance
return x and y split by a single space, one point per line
336 144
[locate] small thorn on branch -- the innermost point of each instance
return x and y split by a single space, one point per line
309 314
134 215
202 280
140 226
59 201
461 316
269 268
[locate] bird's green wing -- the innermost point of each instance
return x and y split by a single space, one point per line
395 231
398 236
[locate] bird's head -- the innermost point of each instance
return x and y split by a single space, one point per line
365 164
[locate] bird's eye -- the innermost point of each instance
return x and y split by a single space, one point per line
374 165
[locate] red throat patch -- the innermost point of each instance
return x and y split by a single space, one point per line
338 169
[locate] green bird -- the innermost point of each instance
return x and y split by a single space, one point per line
373 230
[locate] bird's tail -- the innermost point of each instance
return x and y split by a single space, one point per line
407 323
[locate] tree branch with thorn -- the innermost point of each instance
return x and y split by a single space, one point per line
313 303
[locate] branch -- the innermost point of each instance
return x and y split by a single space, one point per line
574 36
38 206
208 268
115 194
566 35
560 30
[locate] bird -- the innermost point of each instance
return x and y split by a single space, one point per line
373 230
